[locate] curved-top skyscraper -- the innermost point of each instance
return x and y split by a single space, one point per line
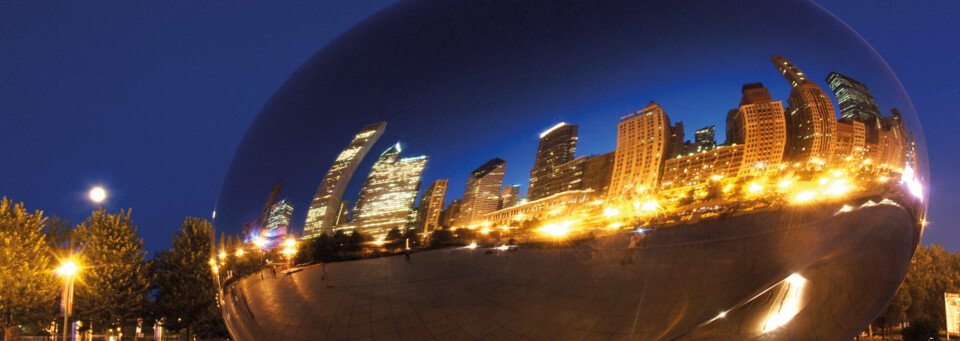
324 208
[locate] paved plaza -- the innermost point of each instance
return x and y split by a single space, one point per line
681 282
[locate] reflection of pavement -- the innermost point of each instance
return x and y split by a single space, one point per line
685 276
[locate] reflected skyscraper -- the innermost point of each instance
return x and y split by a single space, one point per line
450 213
431 206
641 149
280 214
509 196
557 147
811 120
388 194
850 143
324 208
763 125
482 193
856 103
855 100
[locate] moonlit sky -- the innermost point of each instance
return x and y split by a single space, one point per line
150 100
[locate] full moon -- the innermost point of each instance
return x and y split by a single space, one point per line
97 194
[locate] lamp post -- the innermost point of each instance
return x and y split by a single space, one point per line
260 243
290 250
67 270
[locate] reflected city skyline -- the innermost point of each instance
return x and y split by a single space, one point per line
799 153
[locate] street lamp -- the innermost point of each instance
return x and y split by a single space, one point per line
290 249
68 271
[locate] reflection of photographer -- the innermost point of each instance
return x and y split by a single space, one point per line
638 240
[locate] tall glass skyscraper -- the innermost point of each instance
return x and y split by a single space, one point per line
325 208
280 214
482 193
557 146
855 100
388 194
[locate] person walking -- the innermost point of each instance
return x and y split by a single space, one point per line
274 270
323 274
631 248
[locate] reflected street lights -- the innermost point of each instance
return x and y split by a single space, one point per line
290 249
68 271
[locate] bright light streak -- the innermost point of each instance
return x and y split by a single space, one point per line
805 196
556 230
98 194
485 230
379 242
883 179
845 208
837 188
552 129
754 187
788 305
289 251
503 247
913 184
716 178
615 225
785 183
472 245
611 212
722 315
649 206
68 268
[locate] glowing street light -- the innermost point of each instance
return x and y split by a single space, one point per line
239 252
97 194
68 271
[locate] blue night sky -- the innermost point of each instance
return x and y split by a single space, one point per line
151 99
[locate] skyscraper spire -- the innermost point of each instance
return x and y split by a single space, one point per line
789 71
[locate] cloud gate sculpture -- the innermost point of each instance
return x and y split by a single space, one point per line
645 170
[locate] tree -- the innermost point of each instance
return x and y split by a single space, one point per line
113 285
185 282
27 285
394 234
355 242
440 236
932 272
413 237
895 312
